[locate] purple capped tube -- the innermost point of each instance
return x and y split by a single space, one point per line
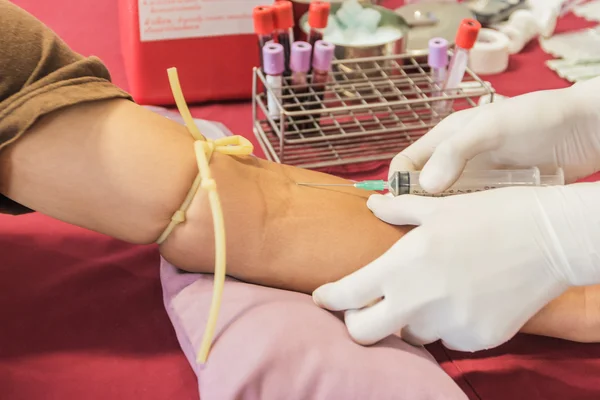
300 65
274 65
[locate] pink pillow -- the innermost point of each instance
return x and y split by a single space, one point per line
275 344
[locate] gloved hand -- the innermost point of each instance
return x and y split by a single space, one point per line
545 129
476 268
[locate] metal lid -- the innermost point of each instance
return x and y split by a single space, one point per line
427 20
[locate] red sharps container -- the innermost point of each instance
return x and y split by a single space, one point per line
211 43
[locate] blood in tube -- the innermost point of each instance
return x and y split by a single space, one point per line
283 14
264 26
322 60
318 15
300 65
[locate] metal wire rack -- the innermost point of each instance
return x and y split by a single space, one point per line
370 109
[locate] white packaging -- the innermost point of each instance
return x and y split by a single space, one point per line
210 129
578 46
575 71
181 19
589 11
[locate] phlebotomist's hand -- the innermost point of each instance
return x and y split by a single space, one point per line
545 129
478 266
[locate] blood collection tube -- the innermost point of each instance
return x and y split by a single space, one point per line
318 15
300 65
437 60
322 59
263 27
283 14
464 42
274 65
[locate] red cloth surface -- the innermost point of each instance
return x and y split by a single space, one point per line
82 315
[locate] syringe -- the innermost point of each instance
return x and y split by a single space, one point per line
407 182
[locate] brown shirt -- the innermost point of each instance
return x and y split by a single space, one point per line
40 74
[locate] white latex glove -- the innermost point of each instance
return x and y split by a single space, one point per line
476 268
545 129
480 265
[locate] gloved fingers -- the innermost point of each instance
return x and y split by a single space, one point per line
451 156
419 335
403 161
415 156
402 210
372 324
354 291
363 287
463 344
471 339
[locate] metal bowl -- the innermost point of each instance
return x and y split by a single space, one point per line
301 7
374 55
389 18
445 19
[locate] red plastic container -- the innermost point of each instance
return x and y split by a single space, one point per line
209 68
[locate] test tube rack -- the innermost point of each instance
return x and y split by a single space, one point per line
371 109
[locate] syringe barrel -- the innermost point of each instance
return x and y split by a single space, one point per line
407 182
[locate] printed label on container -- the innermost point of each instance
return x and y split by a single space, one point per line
180 19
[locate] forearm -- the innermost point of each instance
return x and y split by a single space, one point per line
278 233
109 166
298 238
573 316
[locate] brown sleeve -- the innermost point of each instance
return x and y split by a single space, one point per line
40 74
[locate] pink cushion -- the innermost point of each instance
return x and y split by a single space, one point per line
275 344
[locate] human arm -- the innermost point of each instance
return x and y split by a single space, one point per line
574 316
95 166
106 164
70 146
279 234
136 168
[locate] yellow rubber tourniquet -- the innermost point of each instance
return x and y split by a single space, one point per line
204 148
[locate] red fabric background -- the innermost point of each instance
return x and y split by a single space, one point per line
82 314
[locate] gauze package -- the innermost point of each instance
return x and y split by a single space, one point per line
575 71
589 10
577 46
578 54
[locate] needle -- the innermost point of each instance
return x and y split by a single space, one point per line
367 185
325 184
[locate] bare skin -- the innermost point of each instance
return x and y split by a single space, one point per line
119 169
298 238
278 233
